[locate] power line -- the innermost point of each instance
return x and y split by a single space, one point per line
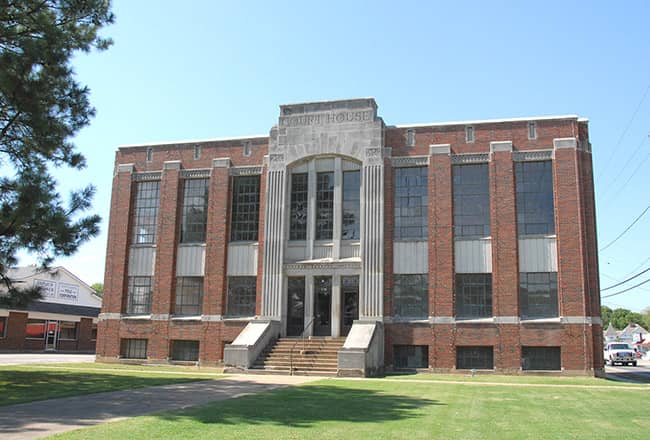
611 184
645 94
638 167
626 290
625 281
626 229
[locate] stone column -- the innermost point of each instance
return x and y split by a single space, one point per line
371 300
309 303
214 282
273 278
336 306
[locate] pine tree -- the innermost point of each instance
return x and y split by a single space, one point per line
42 107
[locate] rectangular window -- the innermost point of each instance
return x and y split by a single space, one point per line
298 220
149 154
248 148
535 208
473 295
532 130
139 296
410 137
68 330
35 329
93 333
3 326
197 152
194 210
411 296
324 205
477 358
189 296
133 349
471 200
411 356
245 208
411 217
469 134
538 295
145 212
541 358
185 351
241 296
351 205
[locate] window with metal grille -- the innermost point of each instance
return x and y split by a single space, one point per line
189 296
541 358
478 358
411 296
241 296
185 351
538 295
299 207
245 208
145 212
471 200
194 210
134 349
411 217
535 208
68 330
324 205
473 295
351 205
139 296
411 356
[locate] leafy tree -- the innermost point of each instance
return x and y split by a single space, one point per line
98 288
606 315
42 107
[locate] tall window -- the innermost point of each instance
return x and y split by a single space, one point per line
538 294
411 219
324 206
195 211
473 295
241 296
532 130
139 295
471 200
351 205
480 358
299 207
134 349
535 213
411 296
245 208
469 134
145 212
189 296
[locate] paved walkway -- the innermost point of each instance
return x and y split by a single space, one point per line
43 358
48 417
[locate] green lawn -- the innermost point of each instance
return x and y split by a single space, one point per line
377 409
26 383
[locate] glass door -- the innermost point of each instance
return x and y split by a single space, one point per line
323 306
51 334
296 306
349 303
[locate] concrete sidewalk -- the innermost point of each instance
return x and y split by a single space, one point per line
48 417
43 358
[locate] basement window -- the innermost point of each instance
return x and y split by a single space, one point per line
410 356
541 358
474 358
185 351
133 349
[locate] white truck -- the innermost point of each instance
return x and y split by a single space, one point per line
619 353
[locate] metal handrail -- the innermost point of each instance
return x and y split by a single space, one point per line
302 335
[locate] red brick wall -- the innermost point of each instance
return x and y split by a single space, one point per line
15 332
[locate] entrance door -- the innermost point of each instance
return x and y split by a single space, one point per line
323 306
349 303
296 306
51 334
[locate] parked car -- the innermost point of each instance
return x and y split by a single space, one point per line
619 353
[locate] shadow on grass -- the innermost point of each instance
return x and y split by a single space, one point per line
304 406
19 386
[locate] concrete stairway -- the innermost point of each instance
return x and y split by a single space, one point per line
319 357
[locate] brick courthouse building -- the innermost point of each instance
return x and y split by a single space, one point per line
447 246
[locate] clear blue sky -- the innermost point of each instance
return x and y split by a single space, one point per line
206 69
